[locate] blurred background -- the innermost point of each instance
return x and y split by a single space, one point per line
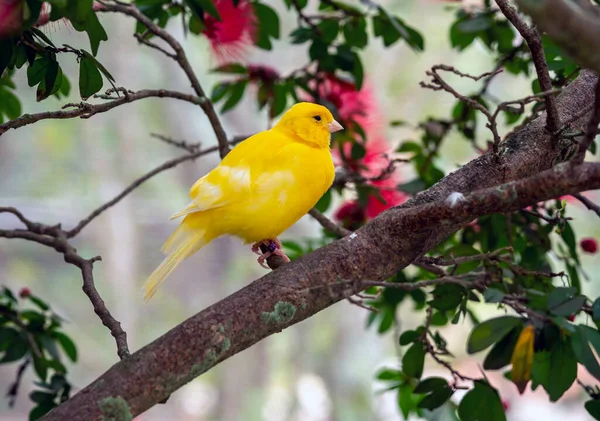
320 369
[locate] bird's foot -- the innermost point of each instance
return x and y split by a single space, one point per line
274 247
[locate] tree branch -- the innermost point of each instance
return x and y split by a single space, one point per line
534 42
574 26
295 291
181 58
588 203
55 237
86 110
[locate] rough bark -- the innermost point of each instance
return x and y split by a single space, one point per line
304 287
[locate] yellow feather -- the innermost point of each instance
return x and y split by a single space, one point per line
260 189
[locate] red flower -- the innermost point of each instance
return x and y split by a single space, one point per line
377 161
589 245
265 74
24 292
231 36
350 215
11 17
351 103
571 317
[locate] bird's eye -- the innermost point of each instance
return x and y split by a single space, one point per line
317 118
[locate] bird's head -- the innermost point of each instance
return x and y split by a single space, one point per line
311 123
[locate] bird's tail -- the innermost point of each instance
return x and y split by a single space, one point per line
188 238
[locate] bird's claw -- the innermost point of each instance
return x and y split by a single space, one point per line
274 246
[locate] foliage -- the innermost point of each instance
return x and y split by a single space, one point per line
501 260
31 333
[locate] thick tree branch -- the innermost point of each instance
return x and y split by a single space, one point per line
574 25
534 42
86 110
181 58
298 290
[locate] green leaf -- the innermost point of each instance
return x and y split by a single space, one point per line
39 397
593 408
37 71
438 392
389 374
324 202
41 410
67 345
459 39
581 347
501 353
430 384
474 25
90 79
51 82
207 6
490 332
100 67
41 36
16 349
447 297
414 360
562 301
562 369
268 27
38 302
236 92
279 101
231 68
596 310
355 32
358 72
329 30
219 91
408 337
9 104
358 151
6 52
568 236
482 403
95 32
40 367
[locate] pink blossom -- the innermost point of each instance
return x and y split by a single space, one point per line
11 17
234 33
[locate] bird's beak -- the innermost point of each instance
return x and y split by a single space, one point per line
334 126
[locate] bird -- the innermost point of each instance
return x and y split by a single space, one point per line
261 188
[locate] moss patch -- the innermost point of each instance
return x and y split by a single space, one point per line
115 409
282 313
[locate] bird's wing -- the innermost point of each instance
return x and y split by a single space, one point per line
232 179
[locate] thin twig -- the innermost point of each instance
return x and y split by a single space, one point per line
328 224
182 144
534 42
56 238
588 203
142 40
441 261
181 58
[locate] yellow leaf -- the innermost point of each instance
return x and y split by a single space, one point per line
522 358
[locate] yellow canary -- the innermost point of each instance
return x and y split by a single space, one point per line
260 189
